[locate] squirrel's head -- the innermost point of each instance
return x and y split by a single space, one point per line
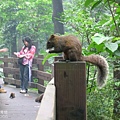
51 41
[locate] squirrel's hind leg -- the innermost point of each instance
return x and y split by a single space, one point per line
72 55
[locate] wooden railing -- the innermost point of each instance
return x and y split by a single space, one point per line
64 97
47 110
11 72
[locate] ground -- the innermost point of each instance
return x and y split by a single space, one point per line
22 107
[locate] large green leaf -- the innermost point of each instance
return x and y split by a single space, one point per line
88 2
93 47
99 38
96 4
112 46
48 56
117 52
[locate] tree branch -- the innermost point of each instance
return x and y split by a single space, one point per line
117 30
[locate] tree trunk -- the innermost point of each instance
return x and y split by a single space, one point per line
57 11
13 41
10 35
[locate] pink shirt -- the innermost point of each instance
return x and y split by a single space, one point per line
29 55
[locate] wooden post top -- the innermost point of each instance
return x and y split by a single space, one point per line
70 62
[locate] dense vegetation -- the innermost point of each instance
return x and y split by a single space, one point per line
95 22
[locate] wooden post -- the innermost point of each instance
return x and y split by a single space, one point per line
16 76
56 59
40 67
5 65
70 82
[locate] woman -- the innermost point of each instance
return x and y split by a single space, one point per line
27 52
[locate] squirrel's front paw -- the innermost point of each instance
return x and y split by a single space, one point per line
48 51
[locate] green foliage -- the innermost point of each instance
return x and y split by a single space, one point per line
1 74
49 56
100 38
100 102
45 83
96 23
105 42
35 80
112 46
26 18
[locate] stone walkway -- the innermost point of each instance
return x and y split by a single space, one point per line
22 107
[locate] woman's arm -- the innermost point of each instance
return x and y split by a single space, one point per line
30 54
20 54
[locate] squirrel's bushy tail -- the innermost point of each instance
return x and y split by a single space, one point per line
102 66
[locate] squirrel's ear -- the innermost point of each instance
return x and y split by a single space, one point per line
52 36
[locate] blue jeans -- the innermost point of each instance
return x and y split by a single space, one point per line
24 76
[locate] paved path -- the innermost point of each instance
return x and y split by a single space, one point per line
22 107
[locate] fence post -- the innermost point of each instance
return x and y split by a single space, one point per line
5 65
16 65
58 58
41 68
70 82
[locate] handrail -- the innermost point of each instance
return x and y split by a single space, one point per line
11 72
48 102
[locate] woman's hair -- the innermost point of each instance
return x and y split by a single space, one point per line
27 39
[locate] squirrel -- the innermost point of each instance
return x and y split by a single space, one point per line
71 47
39 98
12 95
